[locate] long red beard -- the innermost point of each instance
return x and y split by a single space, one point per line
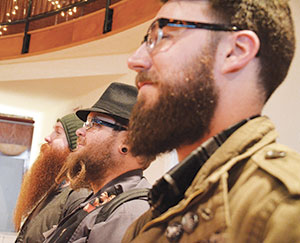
38 180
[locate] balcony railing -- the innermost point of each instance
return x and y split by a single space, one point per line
17 16
39 26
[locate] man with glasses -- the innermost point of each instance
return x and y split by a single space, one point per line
204 72
103 162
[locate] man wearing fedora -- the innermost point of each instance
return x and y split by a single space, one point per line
103 162
42 202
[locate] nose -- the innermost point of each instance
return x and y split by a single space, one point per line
80 132
140 60
48 139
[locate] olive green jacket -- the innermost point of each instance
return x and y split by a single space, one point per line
248 191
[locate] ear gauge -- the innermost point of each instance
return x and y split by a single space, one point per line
124 150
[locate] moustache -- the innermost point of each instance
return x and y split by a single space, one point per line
45 146
144 76
80 141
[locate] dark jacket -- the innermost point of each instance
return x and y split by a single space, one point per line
48 213
114 227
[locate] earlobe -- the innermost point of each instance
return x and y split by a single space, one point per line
244 45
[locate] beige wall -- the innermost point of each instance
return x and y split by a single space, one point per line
283 106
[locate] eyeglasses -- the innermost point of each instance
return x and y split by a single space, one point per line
155 32
89 124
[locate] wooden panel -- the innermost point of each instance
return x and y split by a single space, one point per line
11 45
15 130
15 133
133 12
89 26
51 37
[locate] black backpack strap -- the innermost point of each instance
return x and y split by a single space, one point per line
109 208
67 227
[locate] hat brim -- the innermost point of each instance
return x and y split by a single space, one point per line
83 114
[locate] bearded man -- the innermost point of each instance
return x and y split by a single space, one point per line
103 162
204 72
42 202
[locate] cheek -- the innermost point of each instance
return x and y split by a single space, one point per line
97 137
165 63
170 68
60 143
177 53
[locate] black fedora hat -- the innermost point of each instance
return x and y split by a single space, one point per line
117 101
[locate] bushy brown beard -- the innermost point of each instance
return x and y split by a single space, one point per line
38 180
182 113
90 164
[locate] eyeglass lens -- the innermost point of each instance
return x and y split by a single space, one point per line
154 36
99 122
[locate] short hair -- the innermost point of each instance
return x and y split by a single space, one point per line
271 20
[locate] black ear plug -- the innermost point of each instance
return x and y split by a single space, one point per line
124 150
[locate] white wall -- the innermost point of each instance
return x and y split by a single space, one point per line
7 237
283 106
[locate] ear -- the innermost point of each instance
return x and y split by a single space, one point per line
243 47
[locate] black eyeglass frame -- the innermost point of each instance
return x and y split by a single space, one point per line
162 22
104 123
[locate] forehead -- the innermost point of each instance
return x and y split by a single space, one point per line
191 10
101 116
